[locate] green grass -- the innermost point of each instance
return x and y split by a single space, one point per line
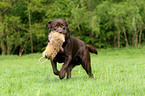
118 72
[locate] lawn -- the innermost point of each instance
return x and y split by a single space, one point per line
117 72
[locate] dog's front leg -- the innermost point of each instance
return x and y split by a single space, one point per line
64 67
54 67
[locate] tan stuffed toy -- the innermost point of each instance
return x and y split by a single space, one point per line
54 46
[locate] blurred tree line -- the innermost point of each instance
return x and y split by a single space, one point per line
100 23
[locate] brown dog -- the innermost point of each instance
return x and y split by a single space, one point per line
75 52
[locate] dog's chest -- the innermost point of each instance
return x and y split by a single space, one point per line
60 57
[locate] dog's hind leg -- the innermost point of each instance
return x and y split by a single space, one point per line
86 64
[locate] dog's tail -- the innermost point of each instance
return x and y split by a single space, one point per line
92 49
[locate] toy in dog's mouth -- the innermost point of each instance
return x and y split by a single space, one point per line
54 46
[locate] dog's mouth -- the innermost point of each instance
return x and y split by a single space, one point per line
56 35
55 45
61 32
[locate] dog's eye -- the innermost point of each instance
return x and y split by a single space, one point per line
62 25
63 28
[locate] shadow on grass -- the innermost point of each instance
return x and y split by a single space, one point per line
55 79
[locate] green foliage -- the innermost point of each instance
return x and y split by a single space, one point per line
104 23
4 4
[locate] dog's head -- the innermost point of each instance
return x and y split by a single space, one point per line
59 25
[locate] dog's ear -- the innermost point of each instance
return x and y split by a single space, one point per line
66 23
48 24
67 35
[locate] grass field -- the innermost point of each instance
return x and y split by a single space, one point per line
118 72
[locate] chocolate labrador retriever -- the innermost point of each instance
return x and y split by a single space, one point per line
75 52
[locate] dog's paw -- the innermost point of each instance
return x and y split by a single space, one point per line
62 74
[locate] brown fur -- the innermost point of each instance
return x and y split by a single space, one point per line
75 52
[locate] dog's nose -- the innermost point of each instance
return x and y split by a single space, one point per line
60 31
